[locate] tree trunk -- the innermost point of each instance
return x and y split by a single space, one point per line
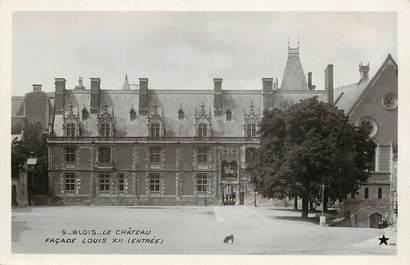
295 204
311 206
305 207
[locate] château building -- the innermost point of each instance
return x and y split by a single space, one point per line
143 146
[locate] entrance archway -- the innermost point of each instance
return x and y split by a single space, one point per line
375 219
229 194
14 195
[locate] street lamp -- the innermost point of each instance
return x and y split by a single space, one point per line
206 188
255 193
322 221
31 161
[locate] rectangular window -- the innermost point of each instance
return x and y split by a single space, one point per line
366 193
104 154
155 127
70 130
202 183
105 130
251 130
202 155
104 183
250 154
69 181
69 154
380 193
202 130
155 154
154 182
121 183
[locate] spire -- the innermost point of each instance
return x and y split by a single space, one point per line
294 77
126 84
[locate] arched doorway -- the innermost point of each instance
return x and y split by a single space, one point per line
375 219
14 195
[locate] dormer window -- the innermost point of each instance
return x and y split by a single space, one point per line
72 123
251 121
181 114
228 115
133 114
251 130
84 114
203 130
156 123
106 123
105 130
70 130
203 122
155 130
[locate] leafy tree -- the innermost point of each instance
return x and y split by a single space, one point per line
33 142
308 145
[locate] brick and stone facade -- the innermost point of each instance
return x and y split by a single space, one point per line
168 146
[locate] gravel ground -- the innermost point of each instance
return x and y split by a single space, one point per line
186 230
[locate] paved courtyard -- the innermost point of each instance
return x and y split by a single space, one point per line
185 230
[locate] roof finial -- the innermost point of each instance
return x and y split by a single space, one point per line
298 42
126 84
288 42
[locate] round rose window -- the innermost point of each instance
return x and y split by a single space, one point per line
389 101
371 124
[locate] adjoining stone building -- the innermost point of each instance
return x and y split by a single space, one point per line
375 101
35 106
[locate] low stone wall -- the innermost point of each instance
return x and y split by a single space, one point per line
359 211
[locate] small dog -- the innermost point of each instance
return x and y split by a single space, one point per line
228 238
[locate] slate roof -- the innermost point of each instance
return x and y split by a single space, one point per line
169 102
294 77
349 96
345 96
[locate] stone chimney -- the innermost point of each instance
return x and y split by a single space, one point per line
267 92
95 94
143 96
218 96
364 72
36 87
329 83
310 85
59 84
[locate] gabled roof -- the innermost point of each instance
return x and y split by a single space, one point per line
389 59
349 97
294 77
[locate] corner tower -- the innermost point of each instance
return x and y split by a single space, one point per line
294 77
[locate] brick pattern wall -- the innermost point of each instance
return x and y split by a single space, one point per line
178 171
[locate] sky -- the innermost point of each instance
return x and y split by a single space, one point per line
185 50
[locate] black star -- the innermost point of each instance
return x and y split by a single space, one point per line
383 240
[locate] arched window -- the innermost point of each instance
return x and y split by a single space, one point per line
366 193
228 115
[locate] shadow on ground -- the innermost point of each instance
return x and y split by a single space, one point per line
313 220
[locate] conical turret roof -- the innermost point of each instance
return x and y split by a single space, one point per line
294 77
